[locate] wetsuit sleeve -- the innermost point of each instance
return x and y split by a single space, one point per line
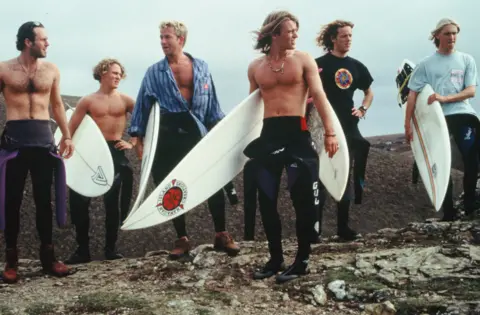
471 77
365 79
418 78
215 113
140 112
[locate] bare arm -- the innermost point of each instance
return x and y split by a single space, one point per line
251 77
368 98
58 108
469 92
130 104
80 111
1 77
411 100
318 94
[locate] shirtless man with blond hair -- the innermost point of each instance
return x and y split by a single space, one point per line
29 85
109 109
285 76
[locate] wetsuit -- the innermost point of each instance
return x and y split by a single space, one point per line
178 134
285 142
341 77
28 145
117 204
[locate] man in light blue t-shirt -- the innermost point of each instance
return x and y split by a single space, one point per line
453 77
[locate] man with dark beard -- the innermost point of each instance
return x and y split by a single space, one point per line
29 85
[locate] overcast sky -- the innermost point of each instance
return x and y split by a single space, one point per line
83 32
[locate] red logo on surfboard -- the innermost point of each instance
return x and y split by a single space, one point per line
172 198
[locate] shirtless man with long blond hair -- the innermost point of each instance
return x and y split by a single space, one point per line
284 76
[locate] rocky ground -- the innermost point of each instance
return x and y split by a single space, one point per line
424 268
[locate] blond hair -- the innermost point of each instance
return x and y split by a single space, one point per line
179 28
272 26
440 25
104 65
330 31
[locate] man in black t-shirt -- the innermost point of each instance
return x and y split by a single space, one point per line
341 75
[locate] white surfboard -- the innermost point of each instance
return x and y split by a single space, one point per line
431 141
333 171
212 163
90 169
149 147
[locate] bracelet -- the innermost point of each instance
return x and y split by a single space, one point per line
331 135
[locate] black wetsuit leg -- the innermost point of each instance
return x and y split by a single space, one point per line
16 174
268 179
250 199
121 191
305 193
464 129
42 166
79 212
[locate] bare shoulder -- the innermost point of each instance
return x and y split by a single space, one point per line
254 63
303 56
85 101
7 65
126 98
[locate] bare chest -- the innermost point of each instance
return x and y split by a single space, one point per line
18 80
268 76
108 107
183 74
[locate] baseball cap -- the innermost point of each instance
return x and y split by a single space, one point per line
443 22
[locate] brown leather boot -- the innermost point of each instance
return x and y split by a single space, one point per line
224 242
50 264
10 273
182 247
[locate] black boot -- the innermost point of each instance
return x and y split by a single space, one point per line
112 254
297 269
270 269
80 256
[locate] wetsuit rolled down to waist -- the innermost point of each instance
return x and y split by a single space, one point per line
285 142
29 145
115 213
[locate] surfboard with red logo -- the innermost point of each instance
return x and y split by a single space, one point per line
209 166
431 140
217 159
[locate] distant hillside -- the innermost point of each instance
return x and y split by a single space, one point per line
390 200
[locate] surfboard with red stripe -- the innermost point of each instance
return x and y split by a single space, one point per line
431 140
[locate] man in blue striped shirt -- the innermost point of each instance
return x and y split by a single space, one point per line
183 86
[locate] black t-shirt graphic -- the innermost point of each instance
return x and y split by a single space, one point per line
340 78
